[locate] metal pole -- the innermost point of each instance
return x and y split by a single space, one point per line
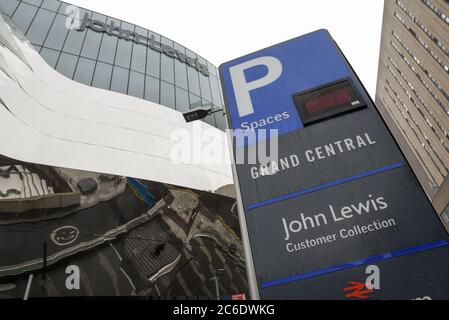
217 288
215 111
250 270
28 288
44 265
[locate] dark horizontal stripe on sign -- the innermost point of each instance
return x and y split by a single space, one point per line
325 185
357 263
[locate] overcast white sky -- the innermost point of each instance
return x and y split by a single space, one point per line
221 30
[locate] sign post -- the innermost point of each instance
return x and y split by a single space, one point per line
334 211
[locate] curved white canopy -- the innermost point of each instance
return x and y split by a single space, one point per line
46 118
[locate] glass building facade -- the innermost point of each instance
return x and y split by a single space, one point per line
144 64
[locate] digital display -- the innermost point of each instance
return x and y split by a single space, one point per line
327 101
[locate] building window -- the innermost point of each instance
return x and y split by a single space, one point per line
52 5
205 88
57 34
91 45
413 124
423 27
50 56
9 6
102 75
167 64
181 70
36 3
23 16
423 43
136 84
108 45
182 100
139 53
119 81
74 42
220 119
167 94
66 64
124 48
84 71
437 10
152 89
440 88
215 88
193 80
195 101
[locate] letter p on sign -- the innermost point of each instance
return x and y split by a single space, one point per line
242 88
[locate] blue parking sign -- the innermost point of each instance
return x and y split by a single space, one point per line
337 213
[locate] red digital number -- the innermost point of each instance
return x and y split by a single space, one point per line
329 100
